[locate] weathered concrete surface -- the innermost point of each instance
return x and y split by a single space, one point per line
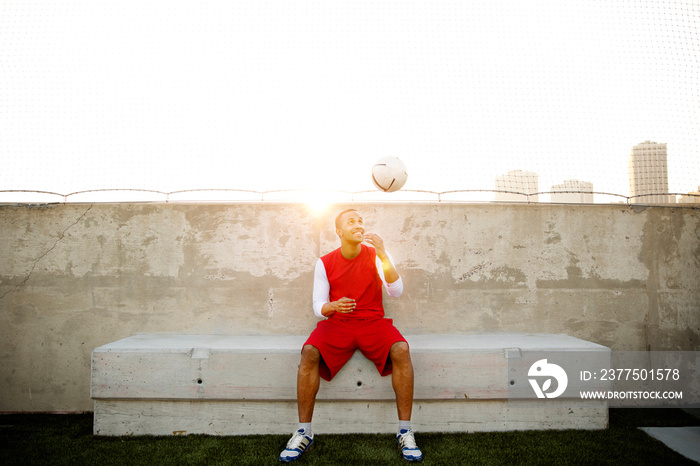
158 373
75 277
184 417
264 367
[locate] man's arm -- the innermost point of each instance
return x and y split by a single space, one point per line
391 277
390 273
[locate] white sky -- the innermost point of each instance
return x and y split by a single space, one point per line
286 94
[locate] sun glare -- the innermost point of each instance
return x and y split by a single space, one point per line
319 201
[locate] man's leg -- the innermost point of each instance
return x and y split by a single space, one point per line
402 379
308 382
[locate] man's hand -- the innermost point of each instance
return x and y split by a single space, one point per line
377 243
343 305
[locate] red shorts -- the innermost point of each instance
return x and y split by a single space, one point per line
337 339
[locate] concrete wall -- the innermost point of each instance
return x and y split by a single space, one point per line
74 277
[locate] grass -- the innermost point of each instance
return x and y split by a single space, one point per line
39 439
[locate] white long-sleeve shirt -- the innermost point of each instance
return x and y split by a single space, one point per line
322 287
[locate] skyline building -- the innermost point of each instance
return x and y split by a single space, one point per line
648 174
517 181
693 197
572 191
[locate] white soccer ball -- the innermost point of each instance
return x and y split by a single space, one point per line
389 174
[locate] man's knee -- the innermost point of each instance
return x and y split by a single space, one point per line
310 355
399 352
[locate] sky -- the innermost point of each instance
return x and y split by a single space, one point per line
270 95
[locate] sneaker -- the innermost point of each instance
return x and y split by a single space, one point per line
407 443
298 444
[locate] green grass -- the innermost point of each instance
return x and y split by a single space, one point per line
38 439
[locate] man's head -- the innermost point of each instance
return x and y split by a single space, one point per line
349 226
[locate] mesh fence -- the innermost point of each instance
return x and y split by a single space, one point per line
593 101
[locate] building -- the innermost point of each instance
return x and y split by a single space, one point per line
648 174
572 191
516 185
692 197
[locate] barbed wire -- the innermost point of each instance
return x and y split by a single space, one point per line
309 195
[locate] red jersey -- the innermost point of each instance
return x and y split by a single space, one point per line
357 279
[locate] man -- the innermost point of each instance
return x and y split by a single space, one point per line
348 294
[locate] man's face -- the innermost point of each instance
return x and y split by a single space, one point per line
351 227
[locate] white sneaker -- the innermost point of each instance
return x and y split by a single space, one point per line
407 443
298 444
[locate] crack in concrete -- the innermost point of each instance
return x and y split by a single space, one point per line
36 262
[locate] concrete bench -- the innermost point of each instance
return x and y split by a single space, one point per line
167 384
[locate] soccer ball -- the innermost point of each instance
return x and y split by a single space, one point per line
389 174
